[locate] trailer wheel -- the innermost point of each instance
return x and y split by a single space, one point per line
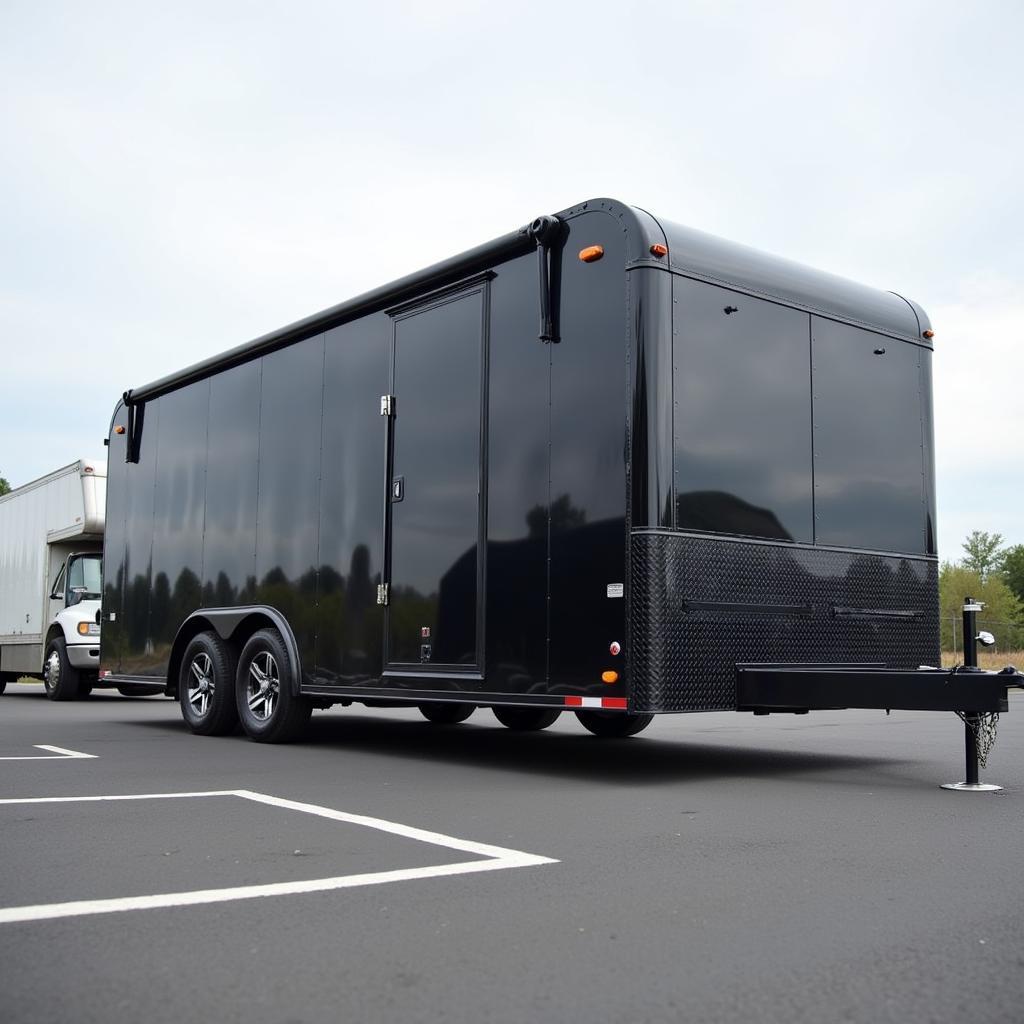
526 719
268 710
442 713
612 723
206 685
60 677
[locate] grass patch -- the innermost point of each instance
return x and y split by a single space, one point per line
986 659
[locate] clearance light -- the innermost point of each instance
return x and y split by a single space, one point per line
609 677
928 334
659 250
592 253
119 429
614 647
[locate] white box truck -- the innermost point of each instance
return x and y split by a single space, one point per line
51 559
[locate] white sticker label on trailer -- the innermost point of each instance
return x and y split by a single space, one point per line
615 590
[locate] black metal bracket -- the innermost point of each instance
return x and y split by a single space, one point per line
546 231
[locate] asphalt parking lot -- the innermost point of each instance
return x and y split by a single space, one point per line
715 868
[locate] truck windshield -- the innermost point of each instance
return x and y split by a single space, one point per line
85 580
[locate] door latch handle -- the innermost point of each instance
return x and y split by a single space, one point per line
398 488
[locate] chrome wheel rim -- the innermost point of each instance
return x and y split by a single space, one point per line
51 673
201 685
264 685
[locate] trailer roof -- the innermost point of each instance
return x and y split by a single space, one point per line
690 252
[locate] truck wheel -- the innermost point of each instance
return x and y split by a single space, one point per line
613 723
267 708
60 678
442 713
85 684
526 719
206 686
3 683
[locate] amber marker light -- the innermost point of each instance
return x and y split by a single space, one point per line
928 334
609 677
119 429
592 253
659 250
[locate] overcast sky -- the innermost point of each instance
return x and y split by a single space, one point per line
178 178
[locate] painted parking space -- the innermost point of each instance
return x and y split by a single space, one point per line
485 857
52 753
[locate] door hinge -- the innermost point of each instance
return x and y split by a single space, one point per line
387 405
382 593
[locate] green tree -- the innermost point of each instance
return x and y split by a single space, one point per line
1003 614
983 552
5 487
1013 570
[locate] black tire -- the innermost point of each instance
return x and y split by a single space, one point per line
526 719
613 723
3 683
206 685
85 684
267 708
60 677
442 713
140 689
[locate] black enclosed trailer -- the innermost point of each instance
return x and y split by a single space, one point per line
604 463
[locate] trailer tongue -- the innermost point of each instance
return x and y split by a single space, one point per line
976 696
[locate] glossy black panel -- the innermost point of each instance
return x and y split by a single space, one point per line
350 638
229 548
139 482
928 437
517 494
112 635
288 516
869 464
703 255
589 384
179 500
435 526
651 413
742 414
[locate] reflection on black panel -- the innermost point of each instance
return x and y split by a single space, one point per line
588 457
742 414
435 525
350 637
869 460
112 648
288 516
229 550
179 498
707 510
139 479
517 485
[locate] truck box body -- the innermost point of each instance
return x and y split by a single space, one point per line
41 525
716 457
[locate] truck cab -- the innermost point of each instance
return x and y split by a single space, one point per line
73 633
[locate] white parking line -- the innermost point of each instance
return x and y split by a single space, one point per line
495 858
57 754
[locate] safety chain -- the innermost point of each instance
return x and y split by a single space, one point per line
984 728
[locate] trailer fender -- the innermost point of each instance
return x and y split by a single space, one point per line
235 626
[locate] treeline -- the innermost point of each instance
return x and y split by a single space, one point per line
991 572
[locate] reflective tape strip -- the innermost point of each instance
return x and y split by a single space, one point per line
596 702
